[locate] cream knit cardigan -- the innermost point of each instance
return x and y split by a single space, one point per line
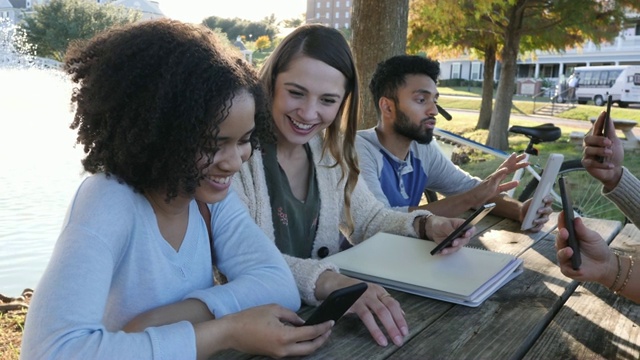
626 196
369 215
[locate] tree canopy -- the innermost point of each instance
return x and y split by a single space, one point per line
293 22
55 24
238 27
263 43
511 28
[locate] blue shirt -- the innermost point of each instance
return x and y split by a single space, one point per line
400 183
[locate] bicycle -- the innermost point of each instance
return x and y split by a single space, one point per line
585 190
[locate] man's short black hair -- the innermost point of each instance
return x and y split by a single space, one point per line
390 74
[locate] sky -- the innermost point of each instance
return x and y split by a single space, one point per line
254 10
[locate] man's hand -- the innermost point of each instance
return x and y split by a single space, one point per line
595 147
542 214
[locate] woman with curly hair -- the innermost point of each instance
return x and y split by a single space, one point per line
303 188
166 117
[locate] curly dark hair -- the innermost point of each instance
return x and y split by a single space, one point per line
390 74
150 96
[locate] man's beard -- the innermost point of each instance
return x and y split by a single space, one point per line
403 126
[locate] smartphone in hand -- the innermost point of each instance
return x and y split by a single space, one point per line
605 125
336 304
567 208
480 213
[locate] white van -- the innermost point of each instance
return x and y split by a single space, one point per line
597 82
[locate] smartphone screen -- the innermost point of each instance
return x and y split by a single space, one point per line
567 208
467 224
336 304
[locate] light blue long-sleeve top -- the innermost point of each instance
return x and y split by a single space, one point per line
111 264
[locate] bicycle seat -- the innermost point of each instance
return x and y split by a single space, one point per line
537 134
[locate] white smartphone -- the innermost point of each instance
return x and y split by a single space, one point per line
545 185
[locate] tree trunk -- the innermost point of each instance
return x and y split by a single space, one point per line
506 86
379 32
487 87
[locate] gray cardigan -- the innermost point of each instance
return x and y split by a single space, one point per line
369 215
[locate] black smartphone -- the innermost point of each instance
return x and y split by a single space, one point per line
467 224
607 117
605 126
336 304
567 208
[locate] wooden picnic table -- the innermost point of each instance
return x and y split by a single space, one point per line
594 323
539 314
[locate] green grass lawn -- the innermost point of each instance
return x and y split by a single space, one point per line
482 164
524 105
260 57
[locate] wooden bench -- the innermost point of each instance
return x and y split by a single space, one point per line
630 141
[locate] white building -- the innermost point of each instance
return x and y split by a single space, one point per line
12 9
248 54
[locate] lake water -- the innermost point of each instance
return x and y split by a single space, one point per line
39 171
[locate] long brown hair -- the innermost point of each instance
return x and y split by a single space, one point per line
329 46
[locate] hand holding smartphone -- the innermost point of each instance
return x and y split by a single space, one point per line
567 208
480 213
551 169
605 126
336 304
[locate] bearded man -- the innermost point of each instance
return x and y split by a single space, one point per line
399 161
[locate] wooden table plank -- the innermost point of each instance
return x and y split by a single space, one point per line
505 236
594 323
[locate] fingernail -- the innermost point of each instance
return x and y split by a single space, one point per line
398 340
404 329
382 341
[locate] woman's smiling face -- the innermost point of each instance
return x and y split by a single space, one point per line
307 98
233 149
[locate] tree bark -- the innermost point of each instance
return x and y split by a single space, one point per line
486 106
506 86
379 32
